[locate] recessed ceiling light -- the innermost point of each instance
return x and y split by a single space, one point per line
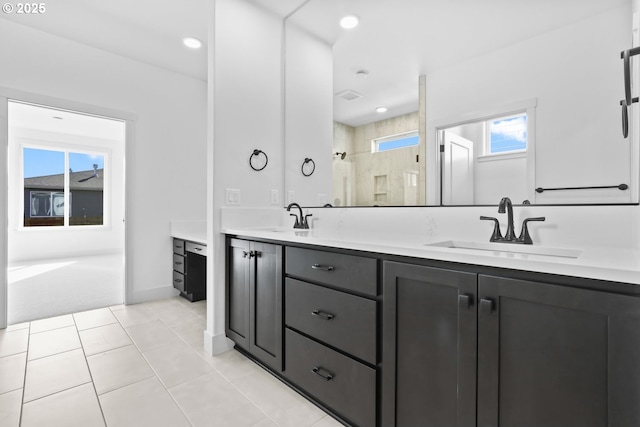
381 110
362 74
192 42
349 21
56 117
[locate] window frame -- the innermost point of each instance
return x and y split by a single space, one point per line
66 149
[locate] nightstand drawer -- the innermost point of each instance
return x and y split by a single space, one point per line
341 320
349 272
346 386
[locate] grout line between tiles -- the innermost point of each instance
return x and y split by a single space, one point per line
24 379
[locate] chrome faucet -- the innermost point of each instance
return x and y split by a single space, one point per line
510 236
301 222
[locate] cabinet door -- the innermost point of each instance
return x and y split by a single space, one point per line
237 298
552 356
429 348
266 304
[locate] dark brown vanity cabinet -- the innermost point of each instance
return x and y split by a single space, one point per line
462 349
331 331
254 299
429 347
556 356
190 269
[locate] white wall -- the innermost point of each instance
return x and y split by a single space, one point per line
309 118
575 73
167 166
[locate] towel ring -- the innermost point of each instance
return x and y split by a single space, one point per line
308 160
255 154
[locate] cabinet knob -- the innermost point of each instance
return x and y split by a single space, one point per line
486 305
245 254
465 301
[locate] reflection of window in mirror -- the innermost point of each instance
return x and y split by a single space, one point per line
392 142
506 134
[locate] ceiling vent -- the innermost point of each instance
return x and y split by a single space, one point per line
349 95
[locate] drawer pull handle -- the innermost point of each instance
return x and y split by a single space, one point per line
322 314
328 376
322 267
178 247
178 280
178 263
197 249
465 301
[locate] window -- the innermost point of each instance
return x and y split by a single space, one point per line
506 134
392 142
63 188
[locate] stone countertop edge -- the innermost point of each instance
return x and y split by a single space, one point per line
190 236
600 263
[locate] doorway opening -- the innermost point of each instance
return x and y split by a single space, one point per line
65 212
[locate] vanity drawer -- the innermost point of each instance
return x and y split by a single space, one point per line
178 246
178 263
346 386
196 248
350 272
341 320
178 281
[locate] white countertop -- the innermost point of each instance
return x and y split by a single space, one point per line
194 231
603 263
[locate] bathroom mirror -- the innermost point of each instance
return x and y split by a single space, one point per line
453 68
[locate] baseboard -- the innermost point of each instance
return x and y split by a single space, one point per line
216 344
152 294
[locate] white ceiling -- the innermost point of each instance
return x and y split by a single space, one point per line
396 41
150 31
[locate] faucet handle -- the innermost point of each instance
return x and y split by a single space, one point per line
297 224
524 233
497 235
305 222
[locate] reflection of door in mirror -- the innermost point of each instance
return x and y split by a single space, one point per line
457 169
382 166
487 159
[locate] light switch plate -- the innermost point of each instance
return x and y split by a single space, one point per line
233 196
275 197
291 196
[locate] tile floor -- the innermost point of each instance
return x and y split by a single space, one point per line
138 365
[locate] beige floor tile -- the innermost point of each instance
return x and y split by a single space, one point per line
233 365
175 364
117 368
191 331
199 308
94 318
135 314
18 326
328 421
51 323
55 373
117 307
76 407
210 398
147 336
145 403
104 338
10 406
266 422
51 342
12 369
174 314
13 342
283 405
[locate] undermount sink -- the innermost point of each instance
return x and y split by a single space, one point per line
509 248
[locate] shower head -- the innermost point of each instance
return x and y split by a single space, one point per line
342 155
